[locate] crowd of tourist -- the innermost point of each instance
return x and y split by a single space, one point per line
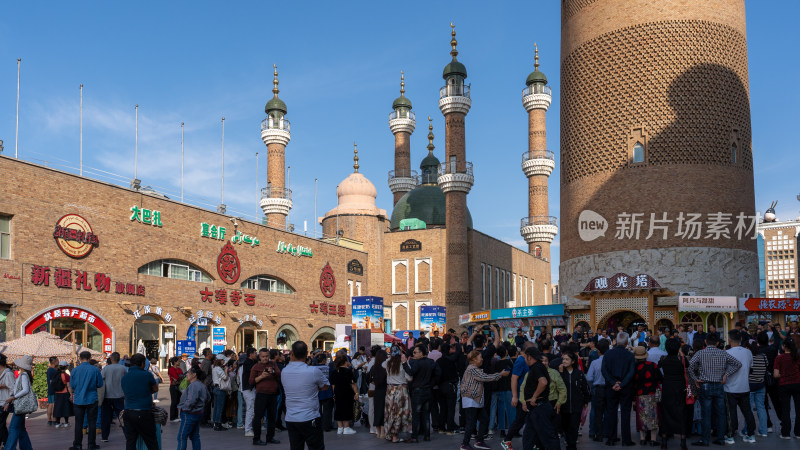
543 388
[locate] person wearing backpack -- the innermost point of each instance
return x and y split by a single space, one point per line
62 406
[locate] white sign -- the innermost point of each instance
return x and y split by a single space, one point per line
707 304
153 310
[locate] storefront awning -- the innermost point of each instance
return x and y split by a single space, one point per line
707 304
770 304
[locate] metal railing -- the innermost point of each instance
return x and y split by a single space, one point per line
536 88
404 173
454 90
402 114
538 154
538 220
271 123
455 166
276 192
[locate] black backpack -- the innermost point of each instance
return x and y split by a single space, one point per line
57 382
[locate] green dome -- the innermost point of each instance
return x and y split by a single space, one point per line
454 68
426 203
275 104
536 77
401 101
430 161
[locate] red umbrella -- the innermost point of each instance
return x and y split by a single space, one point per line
391 338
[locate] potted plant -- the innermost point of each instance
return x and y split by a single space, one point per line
40 384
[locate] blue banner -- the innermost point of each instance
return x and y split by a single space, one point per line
432 318
403 334
528 311
188 347
367 313
217 340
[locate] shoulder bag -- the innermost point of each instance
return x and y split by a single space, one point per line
27 403
689 397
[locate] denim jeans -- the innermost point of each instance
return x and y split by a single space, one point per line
505 413
249 397
139 425
89 412
240 409
190 429
539 428
18 434
219 404
621 400
598 410
492 410
421 412
742 400
757 399
471 418
712 402
107 411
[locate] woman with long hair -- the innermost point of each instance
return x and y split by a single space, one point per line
787 372
17 432
397 412
62 407
646 381
378 376
578 397
345 394
220 379
473 400
176 375
673 398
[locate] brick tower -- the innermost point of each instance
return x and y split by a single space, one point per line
656 155
455 180
276 198
401 121
538 229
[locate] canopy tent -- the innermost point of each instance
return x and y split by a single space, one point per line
41 346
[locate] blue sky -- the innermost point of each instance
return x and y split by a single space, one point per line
339 66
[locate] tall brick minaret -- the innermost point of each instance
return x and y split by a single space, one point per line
538 229
455 180
276 199
401 121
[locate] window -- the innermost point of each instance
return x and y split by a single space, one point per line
483 285
5 237
266 283
734 153
400 276
638 153
497 286
489 283
179 270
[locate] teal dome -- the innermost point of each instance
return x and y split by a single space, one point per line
426 203
275 104
536 77
401 101
454 68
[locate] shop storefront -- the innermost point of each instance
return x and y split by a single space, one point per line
153 334
755 311
543 318
79 325
713 313
250 333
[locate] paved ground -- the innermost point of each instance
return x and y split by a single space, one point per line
47 438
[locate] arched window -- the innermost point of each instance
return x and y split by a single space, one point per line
638 152
171 268
267 283
537 251
734 153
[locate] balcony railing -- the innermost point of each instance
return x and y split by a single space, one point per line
454 90
538 220
401 115
538 154
455 167
271 123
276 192
404 173
536 88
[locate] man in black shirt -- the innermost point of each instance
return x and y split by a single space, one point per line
618 371
539 423
426 373
520 339
423 340
448 382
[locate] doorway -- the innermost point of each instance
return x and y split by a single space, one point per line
248 335
628 320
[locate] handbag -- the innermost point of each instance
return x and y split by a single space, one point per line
690 399
27 403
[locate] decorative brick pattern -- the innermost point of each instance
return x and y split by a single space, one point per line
570 7
606 306
665 315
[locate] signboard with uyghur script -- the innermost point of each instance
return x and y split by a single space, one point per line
707 304
368 313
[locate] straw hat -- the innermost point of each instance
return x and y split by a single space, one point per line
640 352
24 362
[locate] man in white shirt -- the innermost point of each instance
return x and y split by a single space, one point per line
301 384
654 353
690 335
638 336
737 391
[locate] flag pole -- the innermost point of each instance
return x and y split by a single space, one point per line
136 145
181 162
81 141
222 190
16 139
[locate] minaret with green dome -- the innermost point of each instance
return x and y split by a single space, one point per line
401 121
276 198
455 180
538 228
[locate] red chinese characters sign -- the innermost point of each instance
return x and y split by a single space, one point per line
223 296
73 313
327 282
228 264
773 304
328 309
622 282
74 236
82 281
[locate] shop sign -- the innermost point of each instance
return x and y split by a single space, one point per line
218 341
228 264
212 231
240 238
528 311
73 313
327 282
40 276
551 322
367 313
157 311
771 304
702 304
253 318
146 216
355 267
186 346
410 245
464 318
294 250
328 309
222 296
432 318
622 282
513 323
74 236
479 316
202 318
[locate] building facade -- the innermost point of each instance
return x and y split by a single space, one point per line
656 156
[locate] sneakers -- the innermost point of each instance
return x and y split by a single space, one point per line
506 445
249 434
785 437
175 420
769 430
730 441
749 439
156 401
761 435
348 430
481 446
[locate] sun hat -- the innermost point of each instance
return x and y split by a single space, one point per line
640 352
24 362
